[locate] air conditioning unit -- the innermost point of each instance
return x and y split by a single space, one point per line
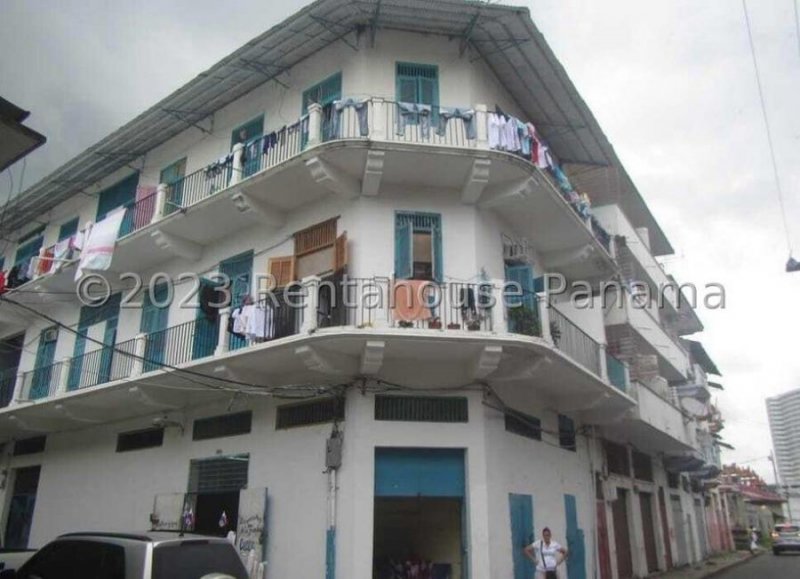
610 491
50 335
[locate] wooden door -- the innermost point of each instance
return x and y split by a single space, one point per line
622 535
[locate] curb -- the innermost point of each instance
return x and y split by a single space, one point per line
731 565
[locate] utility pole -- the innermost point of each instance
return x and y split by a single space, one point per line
779 487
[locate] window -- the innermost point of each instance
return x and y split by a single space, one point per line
421 409
248 131
314 249
673 480
566 432
417 83
306 413
324 92
224 425
617 459
193 558
29 247
524 425
139 439
418 246
219 474
75 558
68 229
642 466
173 173
31 445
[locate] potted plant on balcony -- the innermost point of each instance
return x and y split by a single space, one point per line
474 325
453 326
405 324
555 332
435 323
524 320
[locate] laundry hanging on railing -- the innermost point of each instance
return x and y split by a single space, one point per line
270 140
413 113
145 206
98 249
218 166
298 126
466 115
44 262
362 109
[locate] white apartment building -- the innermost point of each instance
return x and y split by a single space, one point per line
359 148
784 424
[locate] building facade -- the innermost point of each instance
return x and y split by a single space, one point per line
315 297
783 412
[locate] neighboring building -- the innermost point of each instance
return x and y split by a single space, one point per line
784 424
346 433
16 140
751 503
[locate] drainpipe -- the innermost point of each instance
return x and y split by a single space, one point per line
333 460
595 542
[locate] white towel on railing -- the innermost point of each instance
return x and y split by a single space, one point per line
98 249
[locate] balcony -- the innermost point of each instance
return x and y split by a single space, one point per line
260 182
649 335
342 330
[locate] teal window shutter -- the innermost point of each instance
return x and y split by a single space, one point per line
28 250
417 83
324 92
2 263
122 194
523 276
68 229
438 257
45 354
108 312
406 89
521 514
402 247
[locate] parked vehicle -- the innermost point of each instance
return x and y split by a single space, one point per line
152 555
14 558
785 537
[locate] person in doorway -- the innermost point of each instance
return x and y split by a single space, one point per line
547 555
753 540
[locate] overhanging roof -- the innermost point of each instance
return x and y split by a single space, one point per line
504 37
16 140
700 356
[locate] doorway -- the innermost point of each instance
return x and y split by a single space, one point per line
214 485
21 506
649 531
419 521
622 535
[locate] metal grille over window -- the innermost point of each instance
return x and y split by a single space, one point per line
139 439
566 432
524 425
307 413
224 425
421 409
642 466
617 459
219 474
31 445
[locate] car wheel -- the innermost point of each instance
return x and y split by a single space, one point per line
776 552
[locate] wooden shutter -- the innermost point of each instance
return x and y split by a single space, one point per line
340 253
315 238
282 270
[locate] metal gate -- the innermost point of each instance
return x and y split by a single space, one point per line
649 531
662 505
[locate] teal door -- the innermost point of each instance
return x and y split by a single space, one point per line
172 176
248 134
43 377
122 194
206 333
155 313
239 270
108 313
522 311
521 510
576 562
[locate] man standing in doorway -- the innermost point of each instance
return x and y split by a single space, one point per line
545 555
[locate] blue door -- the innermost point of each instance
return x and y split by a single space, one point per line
206 333
122 194
43 377
521 511
155 313
108 313
576 562
419 472
239 270
523 315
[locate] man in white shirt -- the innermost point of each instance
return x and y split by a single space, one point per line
545 555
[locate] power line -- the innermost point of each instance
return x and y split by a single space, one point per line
766 124
797 26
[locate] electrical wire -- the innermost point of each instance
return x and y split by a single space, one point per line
255 388
797 25
766 124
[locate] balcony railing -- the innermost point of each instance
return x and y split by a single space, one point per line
42 382
138 214
574 342
105 364
8 379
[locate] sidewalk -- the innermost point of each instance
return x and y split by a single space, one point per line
709 567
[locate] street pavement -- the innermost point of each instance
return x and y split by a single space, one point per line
767 566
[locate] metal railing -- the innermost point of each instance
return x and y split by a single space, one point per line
616 372
365 302
574 342
179 344
106 364
8 379
138 214
428 129
41 382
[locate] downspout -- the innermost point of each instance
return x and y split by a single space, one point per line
595 542
333 460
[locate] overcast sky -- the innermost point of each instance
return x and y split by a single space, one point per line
672 84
